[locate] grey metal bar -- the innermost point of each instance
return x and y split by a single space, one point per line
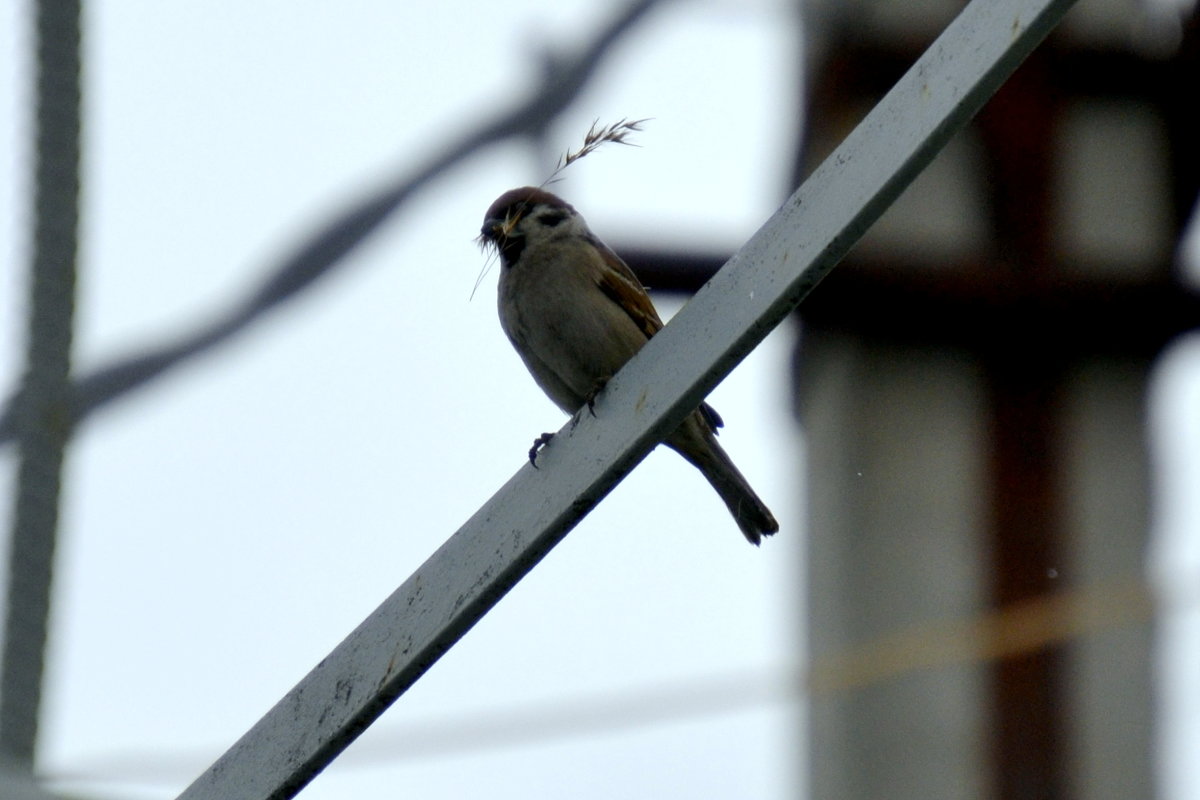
43 418
760 285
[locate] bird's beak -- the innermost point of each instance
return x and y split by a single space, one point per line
492 229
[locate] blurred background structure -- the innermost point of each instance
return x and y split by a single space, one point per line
973 382
970 389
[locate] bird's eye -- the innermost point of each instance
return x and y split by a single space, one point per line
552 218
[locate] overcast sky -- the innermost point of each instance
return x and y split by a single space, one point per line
224 529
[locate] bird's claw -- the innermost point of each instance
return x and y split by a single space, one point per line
538 444
596 389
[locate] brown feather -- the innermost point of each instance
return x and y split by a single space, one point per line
620 284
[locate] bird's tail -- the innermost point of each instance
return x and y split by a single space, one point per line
696 442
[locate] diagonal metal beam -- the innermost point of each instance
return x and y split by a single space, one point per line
755 291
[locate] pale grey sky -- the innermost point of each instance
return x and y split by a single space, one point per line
227 527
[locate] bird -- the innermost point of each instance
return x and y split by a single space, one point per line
575 313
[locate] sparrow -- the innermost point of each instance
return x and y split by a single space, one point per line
575 313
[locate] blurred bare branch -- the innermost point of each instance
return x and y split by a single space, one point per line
563 78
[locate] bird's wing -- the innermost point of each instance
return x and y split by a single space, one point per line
623 288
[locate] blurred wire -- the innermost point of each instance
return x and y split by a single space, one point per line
41 416
977 640
1024 627
531 724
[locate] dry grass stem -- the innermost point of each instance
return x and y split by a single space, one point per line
595 138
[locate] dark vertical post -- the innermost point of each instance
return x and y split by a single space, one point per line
1026 533
43 423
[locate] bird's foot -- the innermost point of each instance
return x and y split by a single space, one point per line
538 444
596 389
